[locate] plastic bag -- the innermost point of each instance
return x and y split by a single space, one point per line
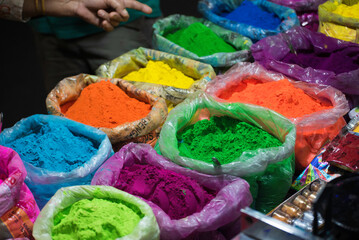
18 208
270 51
176 22
269 171
147 228
313 130
134 60
142 130
211 9
307 11
300 5
233 192
338 26
44 183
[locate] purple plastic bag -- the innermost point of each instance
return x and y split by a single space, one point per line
300 5
270 52
307 11
233 194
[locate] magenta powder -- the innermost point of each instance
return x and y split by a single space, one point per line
177 195
338 61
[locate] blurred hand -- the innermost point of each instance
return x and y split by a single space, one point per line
106 14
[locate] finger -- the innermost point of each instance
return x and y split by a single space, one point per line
115 18
137 6
106 26
88 16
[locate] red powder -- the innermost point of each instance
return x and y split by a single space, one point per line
280 96
103 104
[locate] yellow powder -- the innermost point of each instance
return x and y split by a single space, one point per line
347 11
160 73
356 129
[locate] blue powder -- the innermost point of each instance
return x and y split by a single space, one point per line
54 147
252 14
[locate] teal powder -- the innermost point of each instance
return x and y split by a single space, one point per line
53 147
199 39
224 138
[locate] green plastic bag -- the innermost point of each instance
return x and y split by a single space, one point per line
269 171
146 229
138 58
176 22
338 26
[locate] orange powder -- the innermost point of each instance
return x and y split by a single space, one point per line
280 96
103 104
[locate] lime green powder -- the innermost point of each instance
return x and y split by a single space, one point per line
199 39
95 219
224 138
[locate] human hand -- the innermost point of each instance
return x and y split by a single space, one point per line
106 14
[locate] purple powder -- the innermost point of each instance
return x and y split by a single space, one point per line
177 195
338 61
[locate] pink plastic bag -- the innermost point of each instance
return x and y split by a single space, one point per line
233 195
18 208
313 130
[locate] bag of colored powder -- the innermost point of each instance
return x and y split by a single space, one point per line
18 208
232 193
138 59
314 128
74 208
201 41
56 152
307 11
269 171
136 125
340 19
214 10
314 58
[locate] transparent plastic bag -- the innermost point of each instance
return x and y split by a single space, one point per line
135 59
44 183
147 228
269 171
70 88
176 22
211 9
313 130
233 193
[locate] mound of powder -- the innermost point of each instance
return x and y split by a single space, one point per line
346 10
343 152
337 61
280 96
251 14
224 138
160 73
103 104
177 195
54 147
95 219
199 39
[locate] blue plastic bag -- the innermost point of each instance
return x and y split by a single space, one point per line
43 182
212 9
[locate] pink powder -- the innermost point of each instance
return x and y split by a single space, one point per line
175 194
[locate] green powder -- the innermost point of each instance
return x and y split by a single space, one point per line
199 39
95 219
224 138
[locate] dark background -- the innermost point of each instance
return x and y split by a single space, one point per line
22 92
